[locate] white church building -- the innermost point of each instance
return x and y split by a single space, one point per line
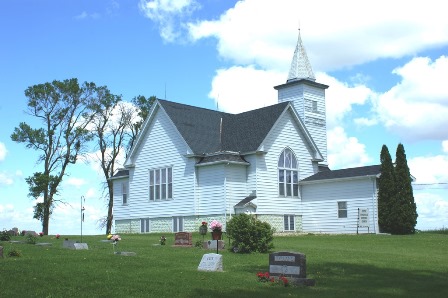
191 164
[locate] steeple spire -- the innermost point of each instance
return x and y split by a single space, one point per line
300 66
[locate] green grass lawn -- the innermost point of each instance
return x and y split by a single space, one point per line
342 265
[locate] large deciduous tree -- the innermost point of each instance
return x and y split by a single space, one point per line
405 209
143 105
386 190
110 128
65 109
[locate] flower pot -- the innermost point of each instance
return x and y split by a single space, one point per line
216 235
203 230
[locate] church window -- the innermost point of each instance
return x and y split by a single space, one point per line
288 174
160 184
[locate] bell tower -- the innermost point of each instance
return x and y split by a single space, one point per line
307 96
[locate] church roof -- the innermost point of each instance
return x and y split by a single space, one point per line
209 131
300 65
345 173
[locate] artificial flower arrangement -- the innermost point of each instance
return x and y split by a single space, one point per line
162 240
57 236
41 234
216 226
204 223
265 277
115 239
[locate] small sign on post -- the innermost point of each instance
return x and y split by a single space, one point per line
363 219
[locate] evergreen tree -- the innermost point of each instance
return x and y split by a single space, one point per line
386 191
404 207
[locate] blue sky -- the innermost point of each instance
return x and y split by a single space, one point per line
386 64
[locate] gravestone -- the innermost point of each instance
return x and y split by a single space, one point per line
291 265
1 251
211 262
30 232
126 253
43 244
211 244
183 239
74 245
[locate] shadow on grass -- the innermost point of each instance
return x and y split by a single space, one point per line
350 280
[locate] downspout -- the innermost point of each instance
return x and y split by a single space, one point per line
225 194
374 209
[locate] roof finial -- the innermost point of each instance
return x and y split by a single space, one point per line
300 65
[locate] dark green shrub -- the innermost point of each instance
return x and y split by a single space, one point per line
14 253
31 239
4 236
249 234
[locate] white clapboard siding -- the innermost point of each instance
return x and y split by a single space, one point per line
162 147
284 134
210 189
320 205
301 96
120 211
235 186
251 173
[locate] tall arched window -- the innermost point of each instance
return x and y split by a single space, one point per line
288 174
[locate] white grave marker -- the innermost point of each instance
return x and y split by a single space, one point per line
211 262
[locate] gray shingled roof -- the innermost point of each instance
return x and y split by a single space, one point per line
224 157
121 173
208 131
345 173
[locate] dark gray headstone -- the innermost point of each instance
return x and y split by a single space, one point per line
291 265
1 251
287 264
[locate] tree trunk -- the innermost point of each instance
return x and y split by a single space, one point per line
110 208
46 221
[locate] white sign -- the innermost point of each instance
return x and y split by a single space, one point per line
211 262
363 215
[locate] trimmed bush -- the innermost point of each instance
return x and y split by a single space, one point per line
4 236
249 234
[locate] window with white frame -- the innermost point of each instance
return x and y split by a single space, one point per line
342 209
288 174
178 224
124 193
144 225
289 223
161 184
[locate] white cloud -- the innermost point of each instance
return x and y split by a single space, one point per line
3 151
345 151
77 182
84 15
369 29
417 107
6 179
168 14
239 89
431 169
340 97
445 146
432 209
365 121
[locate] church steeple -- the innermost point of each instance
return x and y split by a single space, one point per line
300 65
